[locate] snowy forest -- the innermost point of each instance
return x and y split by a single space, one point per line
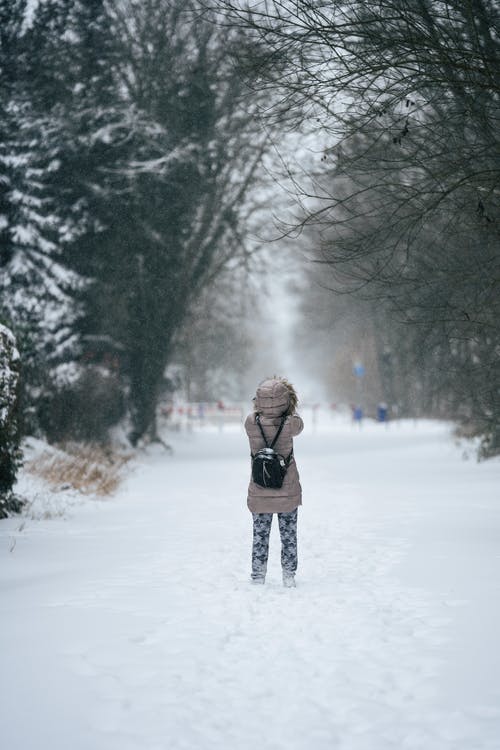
144 146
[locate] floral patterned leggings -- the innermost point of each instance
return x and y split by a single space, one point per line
287 523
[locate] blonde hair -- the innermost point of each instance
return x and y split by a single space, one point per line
294 399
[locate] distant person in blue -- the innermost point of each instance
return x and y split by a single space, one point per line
357 414
382 412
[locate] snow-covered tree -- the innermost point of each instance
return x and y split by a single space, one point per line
188 209
10 453
166 163
132 145
36 286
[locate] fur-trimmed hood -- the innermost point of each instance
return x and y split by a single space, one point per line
275 397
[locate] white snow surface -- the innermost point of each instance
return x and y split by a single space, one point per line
130 623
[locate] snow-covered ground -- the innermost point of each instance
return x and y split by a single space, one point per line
130 623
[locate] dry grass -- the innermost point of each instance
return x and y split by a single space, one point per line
90 469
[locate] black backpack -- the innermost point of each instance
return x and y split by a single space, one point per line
268 467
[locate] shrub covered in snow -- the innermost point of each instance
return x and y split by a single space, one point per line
10 453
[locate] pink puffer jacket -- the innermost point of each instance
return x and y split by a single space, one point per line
271 402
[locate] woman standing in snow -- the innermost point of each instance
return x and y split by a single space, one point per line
274 408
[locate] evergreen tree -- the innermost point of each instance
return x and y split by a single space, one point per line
10 453
35 286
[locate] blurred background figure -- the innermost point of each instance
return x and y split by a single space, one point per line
357 414
382 412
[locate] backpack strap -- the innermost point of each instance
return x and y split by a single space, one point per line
283 418
279 431
257 420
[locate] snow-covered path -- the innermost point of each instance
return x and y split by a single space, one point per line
130 624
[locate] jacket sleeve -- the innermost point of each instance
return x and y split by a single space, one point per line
296 424
248 421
